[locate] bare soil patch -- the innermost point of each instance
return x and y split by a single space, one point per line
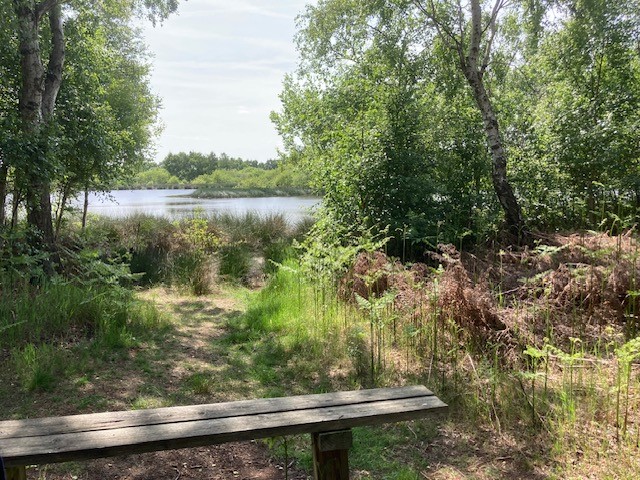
236 461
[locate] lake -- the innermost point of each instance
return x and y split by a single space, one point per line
171 204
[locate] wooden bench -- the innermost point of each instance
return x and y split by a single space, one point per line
328 417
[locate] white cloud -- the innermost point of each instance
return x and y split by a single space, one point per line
273 9
218 68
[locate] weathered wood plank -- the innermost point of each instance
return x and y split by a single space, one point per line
111 420
329 464
128 440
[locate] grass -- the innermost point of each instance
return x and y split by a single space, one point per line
528 354
65 310
192 252
536 352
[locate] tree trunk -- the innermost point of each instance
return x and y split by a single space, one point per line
501 185
37 100
473 63
85 208
61 207
4 172
53 79
17 198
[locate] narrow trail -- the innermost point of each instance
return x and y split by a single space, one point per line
179 367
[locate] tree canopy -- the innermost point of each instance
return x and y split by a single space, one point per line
430 117
75 103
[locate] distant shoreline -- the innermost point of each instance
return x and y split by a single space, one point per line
250 192
219 192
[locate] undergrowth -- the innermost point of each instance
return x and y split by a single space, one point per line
539 345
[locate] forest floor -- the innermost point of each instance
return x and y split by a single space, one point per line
190 362
179 365
202 355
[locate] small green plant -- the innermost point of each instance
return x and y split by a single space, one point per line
200 383
275 254
38 367
626 354
235 261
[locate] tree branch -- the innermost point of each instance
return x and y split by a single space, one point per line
44 6
447 36
476 36
461 23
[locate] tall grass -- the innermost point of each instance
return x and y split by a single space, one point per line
539 367
40 323
190 252
287 307
60 309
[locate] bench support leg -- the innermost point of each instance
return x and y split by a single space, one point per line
331 455
16 473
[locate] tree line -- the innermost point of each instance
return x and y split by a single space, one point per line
450 120
188 166
221 171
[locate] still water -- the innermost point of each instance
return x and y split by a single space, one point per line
171 204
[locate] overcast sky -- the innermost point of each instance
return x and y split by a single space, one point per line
218 68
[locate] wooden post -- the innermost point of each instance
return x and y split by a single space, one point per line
16 473
331 455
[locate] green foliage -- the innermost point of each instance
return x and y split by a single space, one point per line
327 253
197 232
275 254
189 166
18 259
191 252
387 144
219 177
235 261
586 116
103 116
155 177
383 120
38 367
58 307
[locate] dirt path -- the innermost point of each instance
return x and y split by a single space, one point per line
180 367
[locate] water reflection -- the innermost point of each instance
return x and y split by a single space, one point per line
168 203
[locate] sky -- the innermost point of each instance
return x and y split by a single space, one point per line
218 67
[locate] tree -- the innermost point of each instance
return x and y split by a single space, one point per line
41 71
187 166
9 85
588 115
354 115
469 32
154 177
106 119
385 126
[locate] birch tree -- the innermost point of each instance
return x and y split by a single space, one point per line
40 32
469 30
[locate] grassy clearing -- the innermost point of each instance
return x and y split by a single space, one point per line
536 350
165 363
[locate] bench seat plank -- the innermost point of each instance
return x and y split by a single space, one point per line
110 420
103 442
